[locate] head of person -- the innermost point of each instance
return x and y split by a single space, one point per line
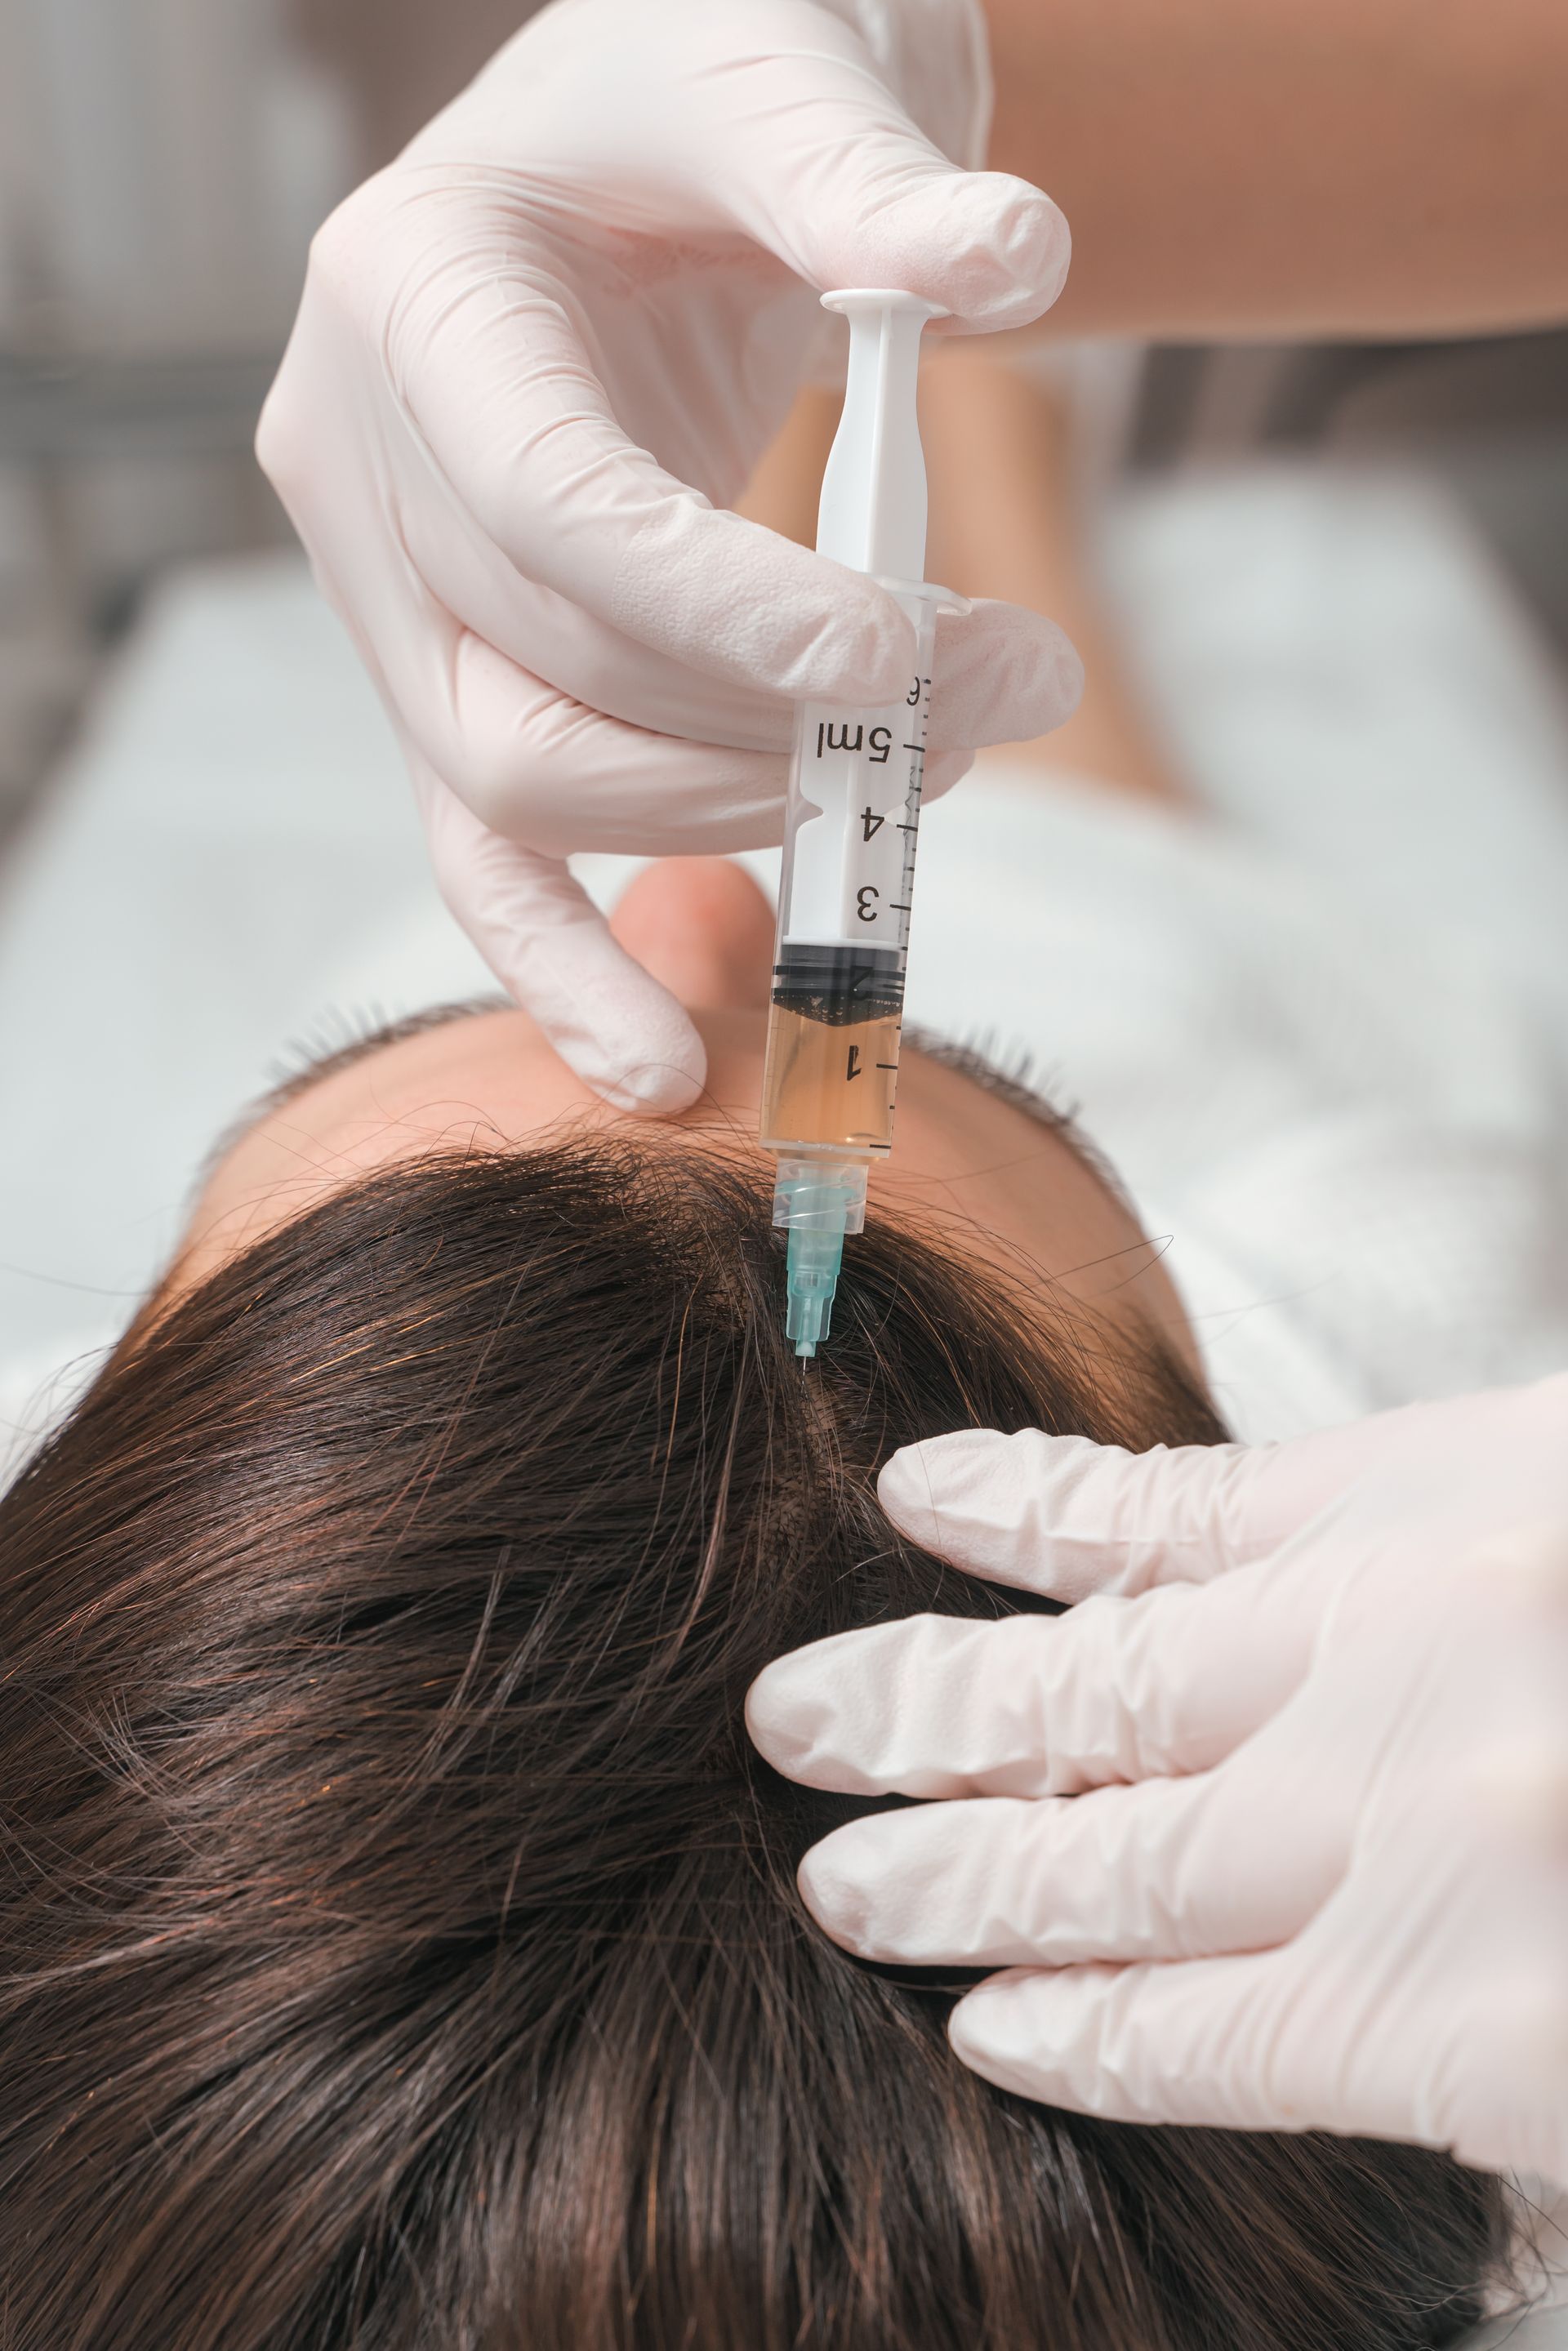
398 1941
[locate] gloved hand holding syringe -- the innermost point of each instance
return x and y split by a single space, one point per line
851 825
536 362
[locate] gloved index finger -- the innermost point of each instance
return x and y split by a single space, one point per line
539 932
1066 1517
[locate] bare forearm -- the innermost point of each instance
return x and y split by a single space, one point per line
1259 167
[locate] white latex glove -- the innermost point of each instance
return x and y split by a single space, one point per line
530 354
1281 1811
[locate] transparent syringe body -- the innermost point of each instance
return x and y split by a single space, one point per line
851 825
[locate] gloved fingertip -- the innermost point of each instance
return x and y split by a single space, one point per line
1040 686
1000 2029
793 1717
903 1489
649 1089
1005 676
778 1713
984 2029
913 1482
992 249
833 1892
629 1038
1065 672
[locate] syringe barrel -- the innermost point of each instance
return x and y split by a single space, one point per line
844 903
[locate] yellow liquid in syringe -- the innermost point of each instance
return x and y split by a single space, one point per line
830 1084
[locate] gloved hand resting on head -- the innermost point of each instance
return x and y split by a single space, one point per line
534 359
1269 1833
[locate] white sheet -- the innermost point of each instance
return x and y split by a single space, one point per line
1326 1045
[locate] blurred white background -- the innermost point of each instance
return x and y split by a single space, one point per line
162 164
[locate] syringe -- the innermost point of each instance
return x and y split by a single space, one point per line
851 827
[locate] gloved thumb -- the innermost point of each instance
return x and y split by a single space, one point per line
825 169
990 249
550 947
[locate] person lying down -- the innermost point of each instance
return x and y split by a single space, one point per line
402 1945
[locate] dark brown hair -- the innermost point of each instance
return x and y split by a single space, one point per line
399 1938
